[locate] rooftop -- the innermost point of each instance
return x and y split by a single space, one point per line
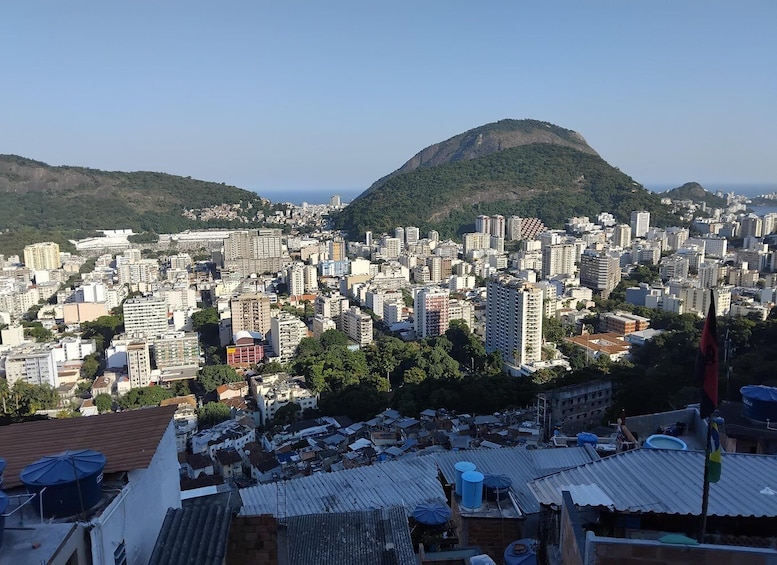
140 431
667 482
195 535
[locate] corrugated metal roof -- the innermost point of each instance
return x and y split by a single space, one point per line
406 482
380 536
128 439
668 482
196 535
520 464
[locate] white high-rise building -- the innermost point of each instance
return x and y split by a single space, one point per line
514 321
295 276
334 201
399 233
311 278
357 325
483 224
391 247
145 317
621 236
599 271
412 235
286 331
558 259
497 226
640 223
42 256
139 363
431 310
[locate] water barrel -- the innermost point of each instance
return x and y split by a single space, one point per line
521 552
496 487
759 403
460 468
472 489
3 506
661 441
72 480
587 438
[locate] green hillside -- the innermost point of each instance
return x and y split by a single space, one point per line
696 193
545 180
45 202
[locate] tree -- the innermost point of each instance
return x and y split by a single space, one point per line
287 414
271 368
144 396
90 366
308 347
332 338
103 402
414 375
101 330
212 376
213 413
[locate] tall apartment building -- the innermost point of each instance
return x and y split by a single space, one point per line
139 363
331 306
250 312
514 321
310 278
136 272
558 259
431 309
621 236
435 268
497 226
337 250
358 326
321 324
34 365
599 271
522 228
295 279
483 224
248 252
391 247
179 349
286 331
399 233
640 223
145 316
412 235
475 241
42 256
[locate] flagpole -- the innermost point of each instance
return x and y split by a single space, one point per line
705 497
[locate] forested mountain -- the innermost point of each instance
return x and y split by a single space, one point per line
548 172
41 201
697 193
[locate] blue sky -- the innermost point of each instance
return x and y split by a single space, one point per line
333 95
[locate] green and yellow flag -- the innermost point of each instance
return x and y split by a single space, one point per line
715 460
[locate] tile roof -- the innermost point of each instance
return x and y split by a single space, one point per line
128 439
379 536
196 535
406 482
667 482
518 463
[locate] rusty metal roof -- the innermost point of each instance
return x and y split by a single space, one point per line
127 439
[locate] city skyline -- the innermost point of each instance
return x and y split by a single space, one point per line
272 97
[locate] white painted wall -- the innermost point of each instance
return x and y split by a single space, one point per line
136 515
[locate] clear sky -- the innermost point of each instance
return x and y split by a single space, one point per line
333 95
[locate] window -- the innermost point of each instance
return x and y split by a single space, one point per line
120 554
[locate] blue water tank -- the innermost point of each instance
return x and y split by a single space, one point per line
759 402
3 506
471 489
71 479
2 468
460 468
496 487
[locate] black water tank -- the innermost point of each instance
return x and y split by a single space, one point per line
759 403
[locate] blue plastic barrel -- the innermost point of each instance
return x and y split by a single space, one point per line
471 489
460 468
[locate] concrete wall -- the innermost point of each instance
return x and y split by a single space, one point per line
572 543
612 551
136 515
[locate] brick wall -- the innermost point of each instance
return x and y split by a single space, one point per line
253 540
608 551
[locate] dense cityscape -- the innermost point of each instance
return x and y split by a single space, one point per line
289 351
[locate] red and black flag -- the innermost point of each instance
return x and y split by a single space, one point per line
707 363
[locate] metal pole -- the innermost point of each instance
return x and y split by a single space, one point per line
706 488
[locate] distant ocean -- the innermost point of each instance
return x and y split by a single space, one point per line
750 190
311 196
321 196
